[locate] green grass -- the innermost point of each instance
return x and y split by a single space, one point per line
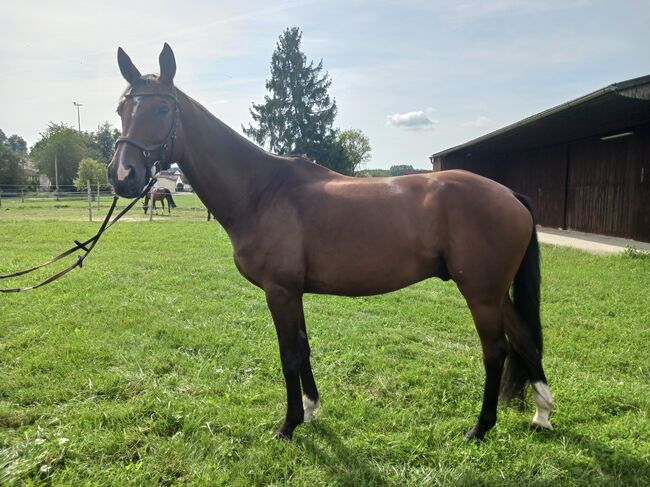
157 364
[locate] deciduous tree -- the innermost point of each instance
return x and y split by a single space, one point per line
11 172
356 148
93 171
64 144
104 141
17 144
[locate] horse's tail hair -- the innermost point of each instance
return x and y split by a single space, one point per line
525 350
170 200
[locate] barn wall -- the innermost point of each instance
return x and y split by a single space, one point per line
540 174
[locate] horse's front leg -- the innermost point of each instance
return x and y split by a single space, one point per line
286 310
310 397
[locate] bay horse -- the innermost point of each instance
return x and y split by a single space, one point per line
159 194
296 227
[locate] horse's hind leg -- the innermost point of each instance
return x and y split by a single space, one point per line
489 324
526 362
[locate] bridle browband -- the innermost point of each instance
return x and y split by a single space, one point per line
147 150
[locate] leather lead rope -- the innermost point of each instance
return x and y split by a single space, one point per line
86 246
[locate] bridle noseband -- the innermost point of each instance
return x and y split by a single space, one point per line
155 164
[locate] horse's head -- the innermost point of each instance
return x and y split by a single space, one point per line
150 125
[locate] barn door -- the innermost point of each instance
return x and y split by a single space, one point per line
600 186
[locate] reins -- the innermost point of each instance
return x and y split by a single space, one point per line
86 246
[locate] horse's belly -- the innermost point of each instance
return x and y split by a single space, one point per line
365 277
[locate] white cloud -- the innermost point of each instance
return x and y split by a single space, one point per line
478 122
417 120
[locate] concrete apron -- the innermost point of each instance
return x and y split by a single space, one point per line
590 242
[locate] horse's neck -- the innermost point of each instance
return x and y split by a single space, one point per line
226 170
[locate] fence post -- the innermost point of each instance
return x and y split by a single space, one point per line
151 206
90 202
98 196
22 195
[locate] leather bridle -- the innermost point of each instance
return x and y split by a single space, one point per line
150 151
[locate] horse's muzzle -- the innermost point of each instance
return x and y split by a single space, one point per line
127 179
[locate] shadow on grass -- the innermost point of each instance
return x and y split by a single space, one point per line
608 464
347 466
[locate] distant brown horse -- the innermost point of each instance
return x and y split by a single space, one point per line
159 194
297 227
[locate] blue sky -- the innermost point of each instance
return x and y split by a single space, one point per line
415 76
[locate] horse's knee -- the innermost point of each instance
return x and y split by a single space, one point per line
496 352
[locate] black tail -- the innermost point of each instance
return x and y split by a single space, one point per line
525 352
170 200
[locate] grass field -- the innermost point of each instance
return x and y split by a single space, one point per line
157 364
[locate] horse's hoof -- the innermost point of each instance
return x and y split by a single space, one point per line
282 435
475 434
542 422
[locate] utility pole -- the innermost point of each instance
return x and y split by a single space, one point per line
56 177
78 115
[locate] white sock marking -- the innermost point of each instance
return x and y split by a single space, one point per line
310 408
544 402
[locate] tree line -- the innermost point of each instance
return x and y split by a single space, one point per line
62 153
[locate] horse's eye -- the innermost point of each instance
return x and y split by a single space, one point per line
163 109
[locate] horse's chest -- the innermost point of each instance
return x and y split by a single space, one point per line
262 262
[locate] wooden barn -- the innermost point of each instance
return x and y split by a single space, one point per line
585 164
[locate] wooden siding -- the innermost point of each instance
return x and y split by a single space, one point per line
601 186
540 174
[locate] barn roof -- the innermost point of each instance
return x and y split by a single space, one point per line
602 112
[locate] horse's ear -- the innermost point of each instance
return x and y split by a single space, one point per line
127 68
167 65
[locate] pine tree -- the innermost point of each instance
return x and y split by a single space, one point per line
297 114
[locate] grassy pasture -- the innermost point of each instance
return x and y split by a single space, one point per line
157 364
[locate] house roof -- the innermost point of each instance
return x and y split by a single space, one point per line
603 111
